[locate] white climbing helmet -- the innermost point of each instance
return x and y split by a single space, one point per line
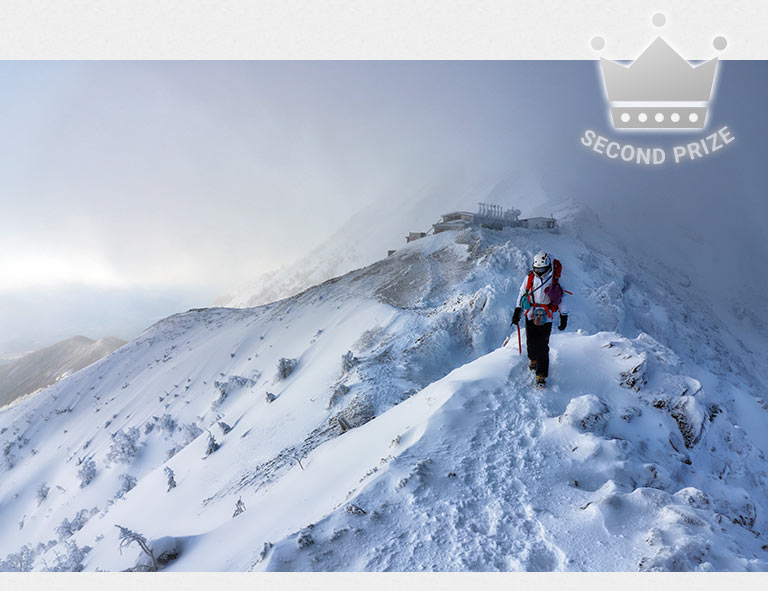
541 262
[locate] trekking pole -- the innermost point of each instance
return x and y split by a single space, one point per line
519 342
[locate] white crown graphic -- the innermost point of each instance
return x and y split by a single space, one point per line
659 90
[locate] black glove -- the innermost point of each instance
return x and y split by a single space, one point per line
516 315
563 322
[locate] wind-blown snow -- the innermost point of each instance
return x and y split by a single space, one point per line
426 447
381 226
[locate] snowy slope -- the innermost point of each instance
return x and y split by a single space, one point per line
44 367
645 452
485 473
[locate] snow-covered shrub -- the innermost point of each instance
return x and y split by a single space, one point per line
43 547
631 413
304 539
586 413
9 460
213 445
226 388
636 377
689 416
165 550
21 561
338 392
418 472
694 497
72 561
128 537
239 508
42 493
66 528
266 547
747 516
686 555
127 483
87 472
285 367
168 424
150 426
369 338
233 383
154 556
125 446
357 412
171 478
348 361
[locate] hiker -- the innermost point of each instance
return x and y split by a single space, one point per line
541 296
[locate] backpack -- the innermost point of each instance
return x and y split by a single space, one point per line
554 291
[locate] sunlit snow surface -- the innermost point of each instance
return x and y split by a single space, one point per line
645 451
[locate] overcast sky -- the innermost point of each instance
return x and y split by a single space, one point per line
188 173
131 190
180 180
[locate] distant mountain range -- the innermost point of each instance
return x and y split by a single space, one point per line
42 368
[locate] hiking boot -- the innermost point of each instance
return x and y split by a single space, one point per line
532 365
541 381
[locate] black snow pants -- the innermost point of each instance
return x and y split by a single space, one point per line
537 341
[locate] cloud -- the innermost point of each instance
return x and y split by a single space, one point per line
191 173
202 175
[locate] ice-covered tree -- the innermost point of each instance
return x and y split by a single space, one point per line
9 460
213 445
348 361
128 537
127 483
168 424
226 388
42 493
87 472
72 560
21 561
171 478
125 446
285 367
338 392
66 528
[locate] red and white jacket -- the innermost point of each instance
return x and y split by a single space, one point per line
538 286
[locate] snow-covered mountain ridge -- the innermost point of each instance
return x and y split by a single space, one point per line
426 447
42 368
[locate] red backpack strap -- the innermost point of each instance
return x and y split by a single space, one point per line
557 269
528 289
530 281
